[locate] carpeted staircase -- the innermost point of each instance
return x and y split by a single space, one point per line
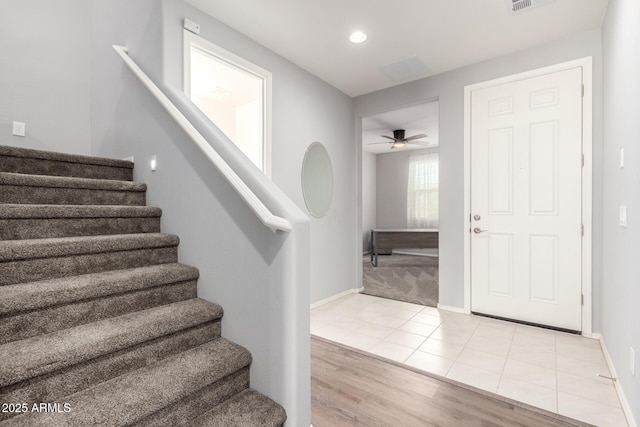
97 317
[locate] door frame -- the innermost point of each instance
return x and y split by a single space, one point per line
587 176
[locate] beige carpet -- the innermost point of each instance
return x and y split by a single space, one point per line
406 278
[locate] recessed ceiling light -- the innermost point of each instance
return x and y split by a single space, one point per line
357 37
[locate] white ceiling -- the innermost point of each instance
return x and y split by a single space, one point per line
441 34
416 119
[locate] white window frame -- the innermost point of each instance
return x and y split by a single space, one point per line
193 40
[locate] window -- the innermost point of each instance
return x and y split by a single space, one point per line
422 191
234 93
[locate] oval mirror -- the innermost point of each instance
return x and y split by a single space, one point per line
317 180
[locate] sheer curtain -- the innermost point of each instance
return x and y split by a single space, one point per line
422 191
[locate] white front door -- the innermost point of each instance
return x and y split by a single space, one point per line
526 203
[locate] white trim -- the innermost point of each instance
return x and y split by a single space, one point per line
626 408
335 297
587 176
453 309
254 203
191 39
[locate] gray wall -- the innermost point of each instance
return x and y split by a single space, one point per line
305 109
392 180
449 89
44 61
369 215
621 270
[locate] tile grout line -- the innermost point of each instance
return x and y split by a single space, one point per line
505 361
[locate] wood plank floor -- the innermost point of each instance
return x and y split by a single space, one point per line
351 389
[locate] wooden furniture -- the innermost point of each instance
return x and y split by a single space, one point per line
423 238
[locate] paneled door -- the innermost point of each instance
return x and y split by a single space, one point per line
526 200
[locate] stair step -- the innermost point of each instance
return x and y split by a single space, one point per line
42 307
139 394
247 408
45 354
54 190
37 162
32 221
57 386
39 259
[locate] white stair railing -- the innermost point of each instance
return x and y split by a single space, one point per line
255 204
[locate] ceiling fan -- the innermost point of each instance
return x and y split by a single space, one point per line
399 140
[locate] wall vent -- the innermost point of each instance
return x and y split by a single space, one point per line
519 6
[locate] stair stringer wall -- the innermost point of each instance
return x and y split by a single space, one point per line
261 278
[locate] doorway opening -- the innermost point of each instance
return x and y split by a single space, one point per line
400 204
234 94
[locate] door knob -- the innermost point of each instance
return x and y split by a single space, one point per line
477 217
478 230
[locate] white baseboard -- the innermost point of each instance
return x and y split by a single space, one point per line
335 297
453 309
623 398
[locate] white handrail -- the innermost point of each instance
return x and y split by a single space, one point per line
254 203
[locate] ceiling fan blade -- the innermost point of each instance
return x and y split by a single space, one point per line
388 137
422 135
375 143
418 142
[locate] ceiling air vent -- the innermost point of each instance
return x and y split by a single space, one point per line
518 6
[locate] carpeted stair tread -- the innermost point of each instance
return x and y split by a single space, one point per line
246 409
35 162
26 180
47 353
46 293
69 246
61 190
138 394
19 211
63 157
21 221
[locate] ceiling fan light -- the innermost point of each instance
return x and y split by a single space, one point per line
398 144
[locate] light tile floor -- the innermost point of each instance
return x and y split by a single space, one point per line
551 370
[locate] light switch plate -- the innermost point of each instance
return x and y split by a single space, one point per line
623 216
632 361
19 128
622 158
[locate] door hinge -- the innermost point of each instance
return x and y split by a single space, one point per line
583 160
582 91
581 299
582 229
